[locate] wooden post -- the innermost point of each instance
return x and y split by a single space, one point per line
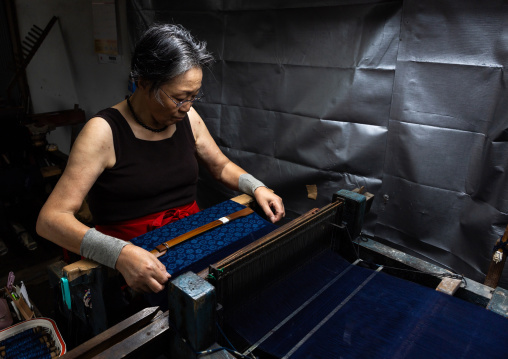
497 264
192 309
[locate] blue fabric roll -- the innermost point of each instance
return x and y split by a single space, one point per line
207 248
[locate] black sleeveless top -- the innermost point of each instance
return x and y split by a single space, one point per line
148 176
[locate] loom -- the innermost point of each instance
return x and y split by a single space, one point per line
309 289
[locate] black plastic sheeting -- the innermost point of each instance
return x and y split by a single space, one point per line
406 98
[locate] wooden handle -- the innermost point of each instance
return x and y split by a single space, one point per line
162 248
496 268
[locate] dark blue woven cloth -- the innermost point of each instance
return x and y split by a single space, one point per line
353 312
207 248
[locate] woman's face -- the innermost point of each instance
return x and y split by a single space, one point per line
183 87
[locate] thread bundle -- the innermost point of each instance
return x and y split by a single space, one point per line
34 343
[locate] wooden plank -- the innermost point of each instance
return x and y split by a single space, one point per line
79 268
449 286
142 343
60 118
50 171
369 197
114 335
243 199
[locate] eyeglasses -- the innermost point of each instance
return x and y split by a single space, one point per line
198 97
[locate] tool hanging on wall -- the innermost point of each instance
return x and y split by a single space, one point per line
29 47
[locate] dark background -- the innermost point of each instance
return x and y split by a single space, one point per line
406 98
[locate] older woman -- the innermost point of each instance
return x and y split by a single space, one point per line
137 162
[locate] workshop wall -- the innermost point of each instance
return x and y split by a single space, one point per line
65 70
447 145
407 98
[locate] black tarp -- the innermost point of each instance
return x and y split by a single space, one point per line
406 98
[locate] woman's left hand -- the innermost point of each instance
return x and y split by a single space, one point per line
270 203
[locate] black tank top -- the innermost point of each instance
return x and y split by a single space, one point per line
148 176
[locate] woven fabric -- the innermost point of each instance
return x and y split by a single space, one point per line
210 246
330 309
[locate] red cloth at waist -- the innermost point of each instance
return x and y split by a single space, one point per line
127 230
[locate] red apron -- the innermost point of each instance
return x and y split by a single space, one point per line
127 230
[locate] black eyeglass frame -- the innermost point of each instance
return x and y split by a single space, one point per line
181 103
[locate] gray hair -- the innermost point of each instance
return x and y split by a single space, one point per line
165 51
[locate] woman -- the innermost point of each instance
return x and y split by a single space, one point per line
137 163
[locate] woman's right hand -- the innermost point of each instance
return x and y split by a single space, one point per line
142 271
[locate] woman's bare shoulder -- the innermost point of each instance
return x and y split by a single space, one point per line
197 123
96 129
95 140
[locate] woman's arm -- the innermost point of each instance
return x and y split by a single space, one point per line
229 173
93 152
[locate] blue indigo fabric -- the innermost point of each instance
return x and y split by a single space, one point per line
331 309
207 248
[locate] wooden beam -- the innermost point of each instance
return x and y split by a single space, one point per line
114 335
79 268
244 199
449 286
149 342
497 264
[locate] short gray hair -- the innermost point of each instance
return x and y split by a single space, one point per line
165 51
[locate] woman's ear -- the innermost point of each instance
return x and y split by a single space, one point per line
145 87
142 84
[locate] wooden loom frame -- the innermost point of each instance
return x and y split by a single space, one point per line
147 333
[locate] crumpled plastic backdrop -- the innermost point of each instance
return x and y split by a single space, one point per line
406 98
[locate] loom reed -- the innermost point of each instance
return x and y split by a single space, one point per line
273 255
